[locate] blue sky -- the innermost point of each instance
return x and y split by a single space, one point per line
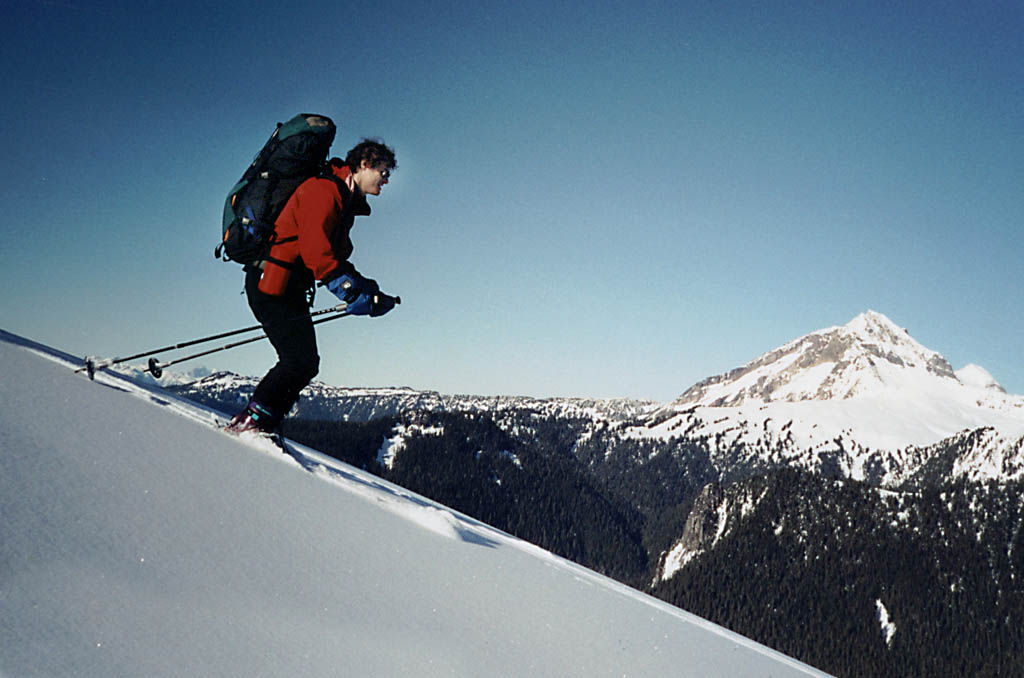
603 199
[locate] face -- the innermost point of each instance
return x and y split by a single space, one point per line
371 179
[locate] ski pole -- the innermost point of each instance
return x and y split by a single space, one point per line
91 365
156 368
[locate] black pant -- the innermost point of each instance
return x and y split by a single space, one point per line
286 321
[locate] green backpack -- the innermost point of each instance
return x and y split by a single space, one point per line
296 151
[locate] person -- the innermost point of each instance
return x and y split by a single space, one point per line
311 244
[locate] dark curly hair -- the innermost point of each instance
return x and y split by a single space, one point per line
373 151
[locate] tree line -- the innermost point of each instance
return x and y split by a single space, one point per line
804 569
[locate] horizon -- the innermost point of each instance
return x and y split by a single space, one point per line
587 204
973 373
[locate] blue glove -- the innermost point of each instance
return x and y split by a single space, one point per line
376 304
362 295
381 303
349 286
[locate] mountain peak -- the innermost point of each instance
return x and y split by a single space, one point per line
979 377
869 354
873 322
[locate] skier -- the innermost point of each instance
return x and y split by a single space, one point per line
311 244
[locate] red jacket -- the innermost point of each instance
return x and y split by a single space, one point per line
312 231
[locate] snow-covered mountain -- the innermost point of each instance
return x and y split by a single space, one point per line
323 401
867 356
864 400
139 540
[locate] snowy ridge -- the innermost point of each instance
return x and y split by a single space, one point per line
140 540
322 401
864 400
978 377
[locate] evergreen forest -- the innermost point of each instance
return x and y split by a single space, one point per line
851 578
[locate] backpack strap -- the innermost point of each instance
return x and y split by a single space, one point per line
271 241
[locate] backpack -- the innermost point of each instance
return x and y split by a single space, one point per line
296 151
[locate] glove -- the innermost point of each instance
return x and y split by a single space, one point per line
381 303
362 295
349 286
376 304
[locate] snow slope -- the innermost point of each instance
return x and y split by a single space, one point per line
138 540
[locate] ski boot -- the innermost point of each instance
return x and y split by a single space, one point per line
254 418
